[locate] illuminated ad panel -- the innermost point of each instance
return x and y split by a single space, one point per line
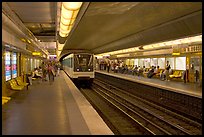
14 66
7 65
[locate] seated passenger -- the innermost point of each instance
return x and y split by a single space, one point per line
157 70
36 74
151 72
141 70
134 71
116 68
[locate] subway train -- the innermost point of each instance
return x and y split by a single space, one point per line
79 67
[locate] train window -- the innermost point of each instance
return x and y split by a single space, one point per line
83 62
8 65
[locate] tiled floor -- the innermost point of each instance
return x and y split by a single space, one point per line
41 110
56 109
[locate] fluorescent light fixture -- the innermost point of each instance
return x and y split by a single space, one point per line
65 21
65 31
147 47
60 46
175 53
69 13
63 27
72 5
63 34
187 40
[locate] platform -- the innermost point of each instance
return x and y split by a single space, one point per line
190 89
57 109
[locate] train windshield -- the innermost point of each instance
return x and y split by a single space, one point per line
83 62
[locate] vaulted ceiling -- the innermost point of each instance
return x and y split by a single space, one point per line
107 26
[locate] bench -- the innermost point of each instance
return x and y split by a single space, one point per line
5 99
21 83
15 86
177 75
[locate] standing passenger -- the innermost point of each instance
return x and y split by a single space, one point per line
167 70
108 66
50 73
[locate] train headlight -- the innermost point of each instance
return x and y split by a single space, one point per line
77 69
89 69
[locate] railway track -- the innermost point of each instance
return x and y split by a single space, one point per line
128 114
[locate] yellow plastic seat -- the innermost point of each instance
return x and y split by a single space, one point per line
4 101
176 74
6 98
14 85
21 83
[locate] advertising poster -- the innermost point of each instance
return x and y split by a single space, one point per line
7 65
14 66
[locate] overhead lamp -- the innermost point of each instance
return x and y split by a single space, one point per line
168 43
176 54
28 41
60 46
162 44
155 45
69 13
65 31
185 40
176 42
63 34
147 47
63 27
72 5
65 21
196 38
22 39
136 48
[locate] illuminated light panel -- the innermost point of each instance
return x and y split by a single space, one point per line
60 46
161 44
65 21
28 41
64 31
67 14
147 47
23 40
72 5
75 14
167 43
175 53
36 53
63 34
176 42
64 27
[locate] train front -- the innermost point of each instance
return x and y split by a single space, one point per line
83 67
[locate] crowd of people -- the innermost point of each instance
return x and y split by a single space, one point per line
136 70
46 71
